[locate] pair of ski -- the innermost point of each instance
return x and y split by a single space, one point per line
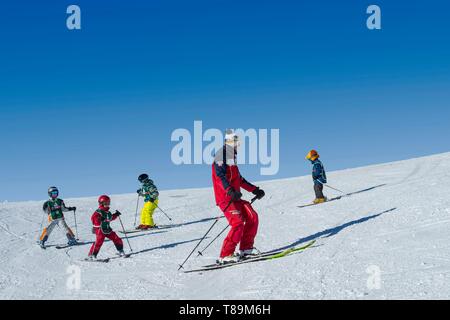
162 227
106 260
328 200
343 196
271 255
62 246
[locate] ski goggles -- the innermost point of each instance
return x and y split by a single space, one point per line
54 194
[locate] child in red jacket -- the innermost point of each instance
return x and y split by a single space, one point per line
101 220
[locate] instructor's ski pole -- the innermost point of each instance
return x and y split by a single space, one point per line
200 253
76 226
126 237
163 212
137 207
203 238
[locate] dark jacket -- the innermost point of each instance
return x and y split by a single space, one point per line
319 175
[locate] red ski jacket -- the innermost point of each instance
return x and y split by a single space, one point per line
101 220
226 175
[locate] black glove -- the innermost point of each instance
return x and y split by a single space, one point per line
94 230
72 208
139 191
235 195
152 200
117 213
259 193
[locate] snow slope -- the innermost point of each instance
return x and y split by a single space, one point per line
400 228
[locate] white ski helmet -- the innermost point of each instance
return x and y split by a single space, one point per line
231 137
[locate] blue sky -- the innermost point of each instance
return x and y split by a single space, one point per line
90 110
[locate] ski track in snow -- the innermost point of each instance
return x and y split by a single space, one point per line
400 227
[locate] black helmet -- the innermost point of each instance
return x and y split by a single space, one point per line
143 177
52 191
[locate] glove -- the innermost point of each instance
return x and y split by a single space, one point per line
152 200
235 195
139 191
72 208
259 193
117 213
94 230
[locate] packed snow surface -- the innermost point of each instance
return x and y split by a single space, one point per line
389 241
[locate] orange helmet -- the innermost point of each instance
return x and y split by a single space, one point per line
312 155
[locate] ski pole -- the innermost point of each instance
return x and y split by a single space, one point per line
163 212
200 253
203 238
126 237
137 207
76 226
334 188
329 186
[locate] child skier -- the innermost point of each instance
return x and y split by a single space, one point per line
101 220
55 209
243 219
319 176
150 194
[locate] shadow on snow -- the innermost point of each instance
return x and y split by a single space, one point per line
332 231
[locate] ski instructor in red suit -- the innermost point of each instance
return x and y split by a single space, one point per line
227 184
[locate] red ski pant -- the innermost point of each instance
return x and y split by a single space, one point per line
243 220
101 238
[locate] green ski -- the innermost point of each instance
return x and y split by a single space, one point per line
262 257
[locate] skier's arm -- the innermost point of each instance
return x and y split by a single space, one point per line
64 208
247 185
46 208
96 220
154 194
318 173
150 190
116 215
221 173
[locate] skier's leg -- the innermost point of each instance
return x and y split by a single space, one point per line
116 240
318 189
142 215
69 233
234 217
151 210
47 231
100 238
250 228
145 214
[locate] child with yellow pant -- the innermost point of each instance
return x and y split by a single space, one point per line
150 194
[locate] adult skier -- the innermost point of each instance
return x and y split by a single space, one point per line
243 219
150 194
319 176
101 220
55 209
